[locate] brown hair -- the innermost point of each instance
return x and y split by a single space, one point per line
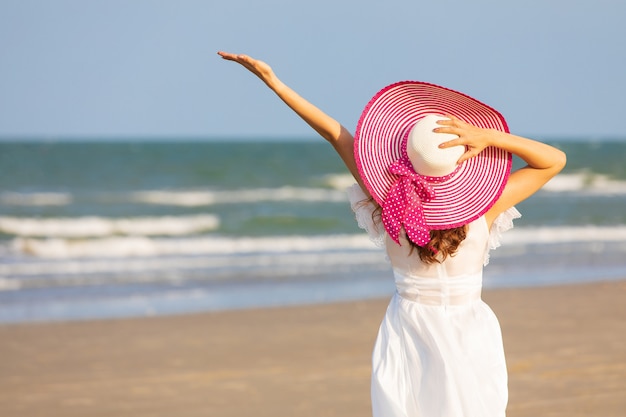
443 243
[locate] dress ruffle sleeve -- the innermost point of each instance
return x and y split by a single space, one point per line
363 209
501 224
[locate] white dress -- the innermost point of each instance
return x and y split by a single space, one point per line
439 349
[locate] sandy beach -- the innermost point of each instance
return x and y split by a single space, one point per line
565 345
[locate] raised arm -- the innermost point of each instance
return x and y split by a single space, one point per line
330 129
543 161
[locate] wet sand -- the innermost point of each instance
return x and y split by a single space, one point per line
565 345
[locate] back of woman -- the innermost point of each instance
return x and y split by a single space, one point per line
467 260
433 160
437 325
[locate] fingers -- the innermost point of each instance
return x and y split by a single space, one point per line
449 125
451 121
451 143
453 118
455 126
452 130
255 66
244 60
240 58
227 55
469 154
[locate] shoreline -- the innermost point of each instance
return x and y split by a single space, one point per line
151 295
565 347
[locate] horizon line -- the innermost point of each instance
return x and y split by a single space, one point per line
241 138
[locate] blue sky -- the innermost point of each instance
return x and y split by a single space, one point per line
147 68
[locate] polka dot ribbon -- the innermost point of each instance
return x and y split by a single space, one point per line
403 204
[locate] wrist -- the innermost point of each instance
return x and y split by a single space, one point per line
274 83
496 138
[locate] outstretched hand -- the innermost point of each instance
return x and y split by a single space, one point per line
329 128
475 139
258 68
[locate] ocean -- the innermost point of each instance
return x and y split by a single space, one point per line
95 230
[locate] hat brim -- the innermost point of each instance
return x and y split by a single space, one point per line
380 140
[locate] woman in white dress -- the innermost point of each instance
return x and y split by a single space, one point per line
434 188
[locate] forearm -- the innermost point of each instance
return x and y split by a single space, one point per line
543 163
326 126
323 124
536 154
330 129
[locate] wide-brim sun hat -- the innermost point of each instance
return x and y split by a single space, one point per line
447 201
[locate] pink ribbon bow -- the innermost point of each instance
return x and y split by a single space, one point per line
403 204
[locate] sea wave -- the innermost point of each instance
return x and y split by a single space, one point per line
331 190
565 234
339 181
78 227
173 269
133 246
112 261
144 246
199 198
10 198
586 183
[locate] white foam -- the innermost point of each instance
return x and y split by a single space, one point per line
99 226
103 261
339 181
583 183
586 183
143 246
35 199
9 284
565 234
198 198
70 271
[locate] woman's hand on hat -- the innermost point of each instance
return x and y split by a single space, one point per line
474 138
255 66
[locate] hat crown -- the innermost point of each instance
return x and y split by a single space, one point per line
423 150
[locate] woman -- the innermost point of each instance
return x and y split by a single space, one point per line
435 189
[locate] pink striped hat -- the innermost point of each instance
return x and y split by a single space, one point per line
414 194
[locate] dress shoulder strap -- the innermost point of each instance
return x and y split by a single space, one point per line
363 209
501 224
